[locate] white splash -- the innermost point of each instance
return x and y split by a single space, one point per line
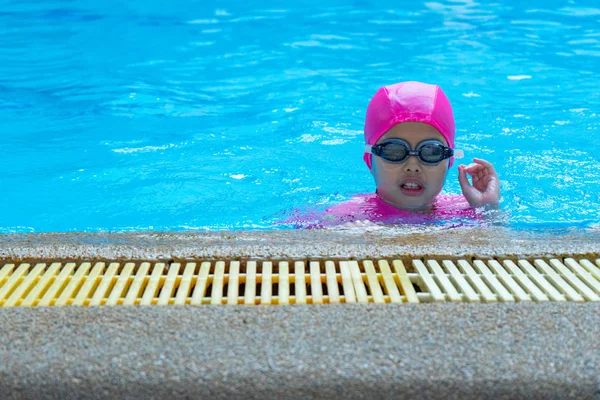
203 21
334 142
342 131
518 77
147 149
308 138
202 44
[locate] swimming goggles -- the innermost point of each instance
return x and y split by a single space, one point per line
429 152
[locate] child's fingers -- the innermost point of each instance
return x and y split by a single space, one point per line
477 170
483 174
462 178
481 178
470 193
474 167
477 177
485 163
477 173
480 182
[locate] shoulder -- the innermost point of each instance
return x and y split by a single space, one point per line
453 205
451 200
359 207
357 203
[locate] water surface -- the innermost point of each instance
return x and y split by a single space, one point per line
229 115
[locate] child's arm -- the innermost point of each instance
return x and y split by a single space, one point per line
485 190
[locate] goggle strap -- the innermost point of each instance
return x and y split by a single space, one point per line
368 148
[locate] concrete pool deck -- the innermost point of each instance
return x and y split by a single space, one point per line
355 242
450 351
501 350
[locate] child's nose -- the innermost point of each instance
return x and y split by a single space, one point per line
412 165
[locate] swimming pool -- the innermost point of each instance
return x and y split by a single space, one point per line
229 115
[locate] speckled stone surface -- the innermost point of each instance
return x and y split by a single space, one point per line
353 241
450 351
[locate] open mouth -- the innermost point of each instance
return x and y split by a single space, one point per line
412 187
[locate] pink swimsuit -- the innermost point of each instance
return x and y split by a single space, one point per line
370 207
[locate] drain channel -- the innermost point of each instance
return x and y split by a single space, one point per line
94 283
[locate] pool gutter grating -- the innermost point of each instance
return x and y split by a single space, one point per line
281 282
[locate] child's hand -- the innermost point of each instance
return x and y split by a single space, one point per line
486 186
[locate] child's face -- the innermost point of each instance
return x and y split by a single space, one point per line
410 185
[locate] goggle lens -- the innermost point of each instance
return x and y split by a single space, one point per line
431 153
394 152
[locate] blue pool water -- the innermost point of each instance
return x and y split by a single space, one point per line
230 114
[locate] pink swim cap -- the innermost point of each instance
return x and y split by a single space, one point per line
408 102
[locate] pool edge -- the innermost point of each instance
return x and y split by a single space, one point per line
297 244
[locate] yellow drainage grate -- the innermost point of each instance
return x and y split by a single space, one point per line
298 282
